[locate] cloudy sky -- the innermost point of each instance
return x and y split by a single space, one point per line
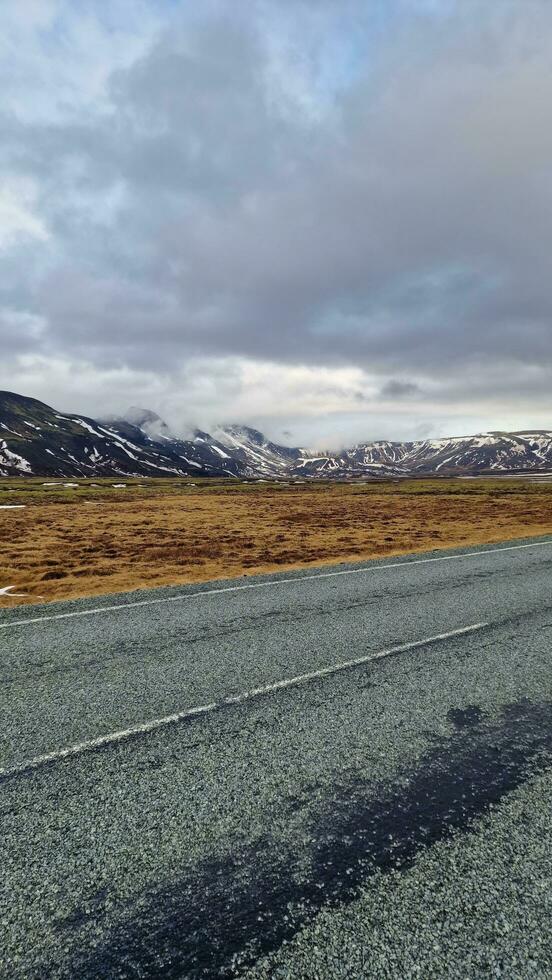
328 218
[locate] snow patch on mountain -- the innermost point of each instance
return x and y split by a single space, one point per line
38 440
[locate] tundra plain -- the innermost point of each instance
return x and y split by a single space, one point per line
69 539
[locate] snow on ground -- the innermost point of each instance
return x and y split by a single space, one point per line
21 463
12 506
7 591
89 428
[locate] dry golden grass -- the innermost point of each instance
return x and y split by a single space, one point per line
94 543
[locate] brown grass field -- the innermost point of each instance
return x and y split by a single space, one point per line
95 537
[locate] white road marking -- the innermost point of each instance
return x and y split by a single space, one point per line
151 726
264 585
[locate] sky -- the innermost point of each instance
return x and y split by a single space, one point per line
329 219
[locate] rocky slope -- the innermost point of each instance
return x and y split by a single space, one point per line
35 439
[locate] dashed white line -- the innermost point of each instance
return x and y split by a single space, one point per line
203 709
264 585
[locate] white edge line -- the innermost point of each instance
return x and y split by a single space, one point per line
265 585
157 723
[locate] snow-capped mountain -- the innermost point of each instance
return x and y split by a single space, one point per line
491 451
151 424
200 453
259 456
35 439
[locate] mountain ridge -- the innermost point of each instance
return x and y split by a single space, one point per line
37 440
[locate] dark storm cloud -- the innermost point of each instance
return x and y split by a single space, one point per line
399 389
218 206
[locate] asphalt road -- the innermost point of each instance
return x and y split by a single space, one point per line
339 773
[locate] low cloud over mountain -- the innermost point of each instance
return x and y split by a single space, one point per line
37 440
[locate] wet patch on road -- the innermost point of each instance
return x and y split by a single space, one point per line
465 717
223 915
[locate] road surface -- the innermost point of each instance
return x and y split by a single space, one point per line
345 772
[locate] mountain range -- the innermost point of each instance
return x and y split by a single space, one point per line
37 440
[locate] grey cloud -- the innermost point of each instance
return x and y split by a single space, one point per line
405 230
19 332
400 389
